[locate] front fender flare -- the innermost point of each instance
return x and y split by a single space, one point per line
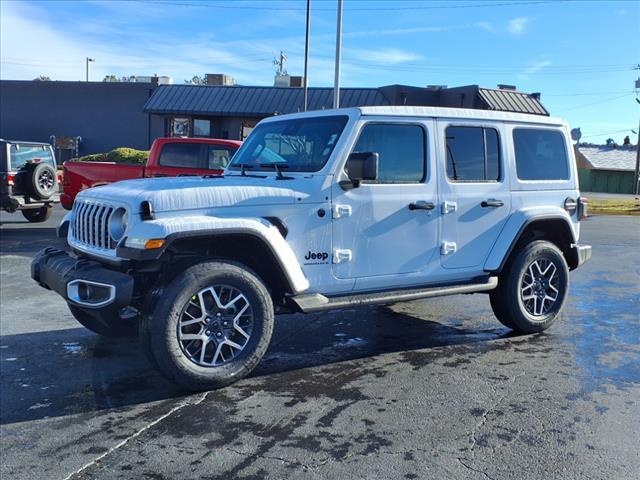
172 229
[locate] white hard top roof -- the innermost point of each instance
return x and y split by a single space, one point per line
433 112
462 113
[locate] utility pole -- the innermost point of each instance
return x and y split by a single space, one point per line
637 177
87 67
280 63
336 84
306 56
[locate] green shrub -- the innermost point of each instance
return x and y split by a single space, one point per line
128 155
94 157
117 155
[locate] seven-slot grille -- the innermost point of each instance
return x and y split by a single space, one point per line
91 225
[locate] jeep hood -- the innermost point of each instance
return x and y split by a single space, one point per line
189 193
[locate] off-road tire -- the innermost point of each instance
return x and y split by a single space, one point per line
507 300
38 215
161 327
104 325
42 182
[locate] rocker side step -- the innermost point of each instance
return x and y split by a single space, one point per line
315 302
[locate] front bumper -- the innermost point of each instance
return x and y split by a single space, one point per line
583 253
81 282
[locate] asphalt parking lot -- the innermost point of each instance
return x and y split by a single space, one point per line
429 389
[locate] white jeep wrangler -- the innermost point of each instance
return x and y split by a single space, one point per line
325 210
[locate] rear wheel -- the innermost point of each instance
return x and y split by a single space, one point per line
211 326
38 215
104 325
532 289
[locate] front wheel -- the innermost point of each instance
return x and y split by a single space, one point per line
38 215
211 326
532 289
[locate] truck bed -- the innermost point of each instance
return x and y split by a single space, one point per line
79 176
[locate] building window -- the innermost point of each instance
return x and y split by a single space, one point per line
540 154
179 127
473 154
401 151
201 127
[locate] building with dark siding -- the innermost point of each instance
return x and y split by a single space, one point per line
106 115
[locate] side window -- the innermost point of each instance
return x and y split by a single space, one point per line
473 154
219 156
182 155
540 154
401 150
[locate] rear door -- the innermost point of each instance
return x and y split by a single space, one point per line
475 194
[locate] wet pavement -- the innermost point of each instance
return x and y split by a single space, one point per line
427 389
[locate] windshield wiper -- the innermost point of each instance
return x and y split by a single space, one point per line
246 166
277 167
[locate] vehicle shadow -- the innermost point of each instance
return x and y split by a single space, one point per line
66 372
29 240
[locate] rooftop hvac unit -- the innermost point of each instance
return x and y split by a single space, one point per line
219 79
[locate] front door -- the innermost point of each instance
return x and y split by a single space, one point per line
388 227
475 195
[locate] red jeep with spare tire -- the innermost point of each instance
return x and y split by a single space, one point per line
29 179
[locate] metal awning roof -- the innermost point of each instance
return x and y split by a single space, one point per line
252 101
511 101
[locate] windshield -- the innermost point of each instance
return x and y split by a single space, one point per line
21 154
300 145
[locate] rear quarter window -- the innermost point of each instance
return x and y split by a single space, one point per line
182 155
540 154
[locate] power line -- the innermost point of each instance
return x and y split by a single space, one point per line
606 133
594 103
354 9
583 94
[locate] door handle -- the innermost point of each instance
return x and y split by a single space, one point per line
421 205
492 203
158 175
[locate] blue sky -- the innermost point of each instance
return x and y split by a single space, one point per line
579 54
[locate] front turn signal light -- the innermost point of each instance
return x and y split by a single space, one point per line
154 243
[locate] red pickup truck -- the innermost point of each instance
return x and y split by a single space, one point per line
168 157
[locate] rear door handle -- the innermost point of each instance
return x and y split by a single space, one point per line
492 203
421 205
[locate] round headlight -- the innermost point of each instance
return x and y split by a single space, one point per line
118 224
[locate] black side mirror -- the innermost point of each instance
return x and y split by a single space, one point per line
362 166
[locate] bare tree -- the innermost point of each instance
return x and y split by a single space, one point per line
196 80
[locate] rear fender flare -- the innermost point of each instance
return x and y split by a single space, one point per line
514 228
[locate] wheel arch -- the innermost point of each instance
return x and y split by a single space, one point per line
553 227
241 247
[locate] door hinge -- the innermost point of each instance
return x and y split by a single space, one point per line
342 211
448 247
448 207
341 255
